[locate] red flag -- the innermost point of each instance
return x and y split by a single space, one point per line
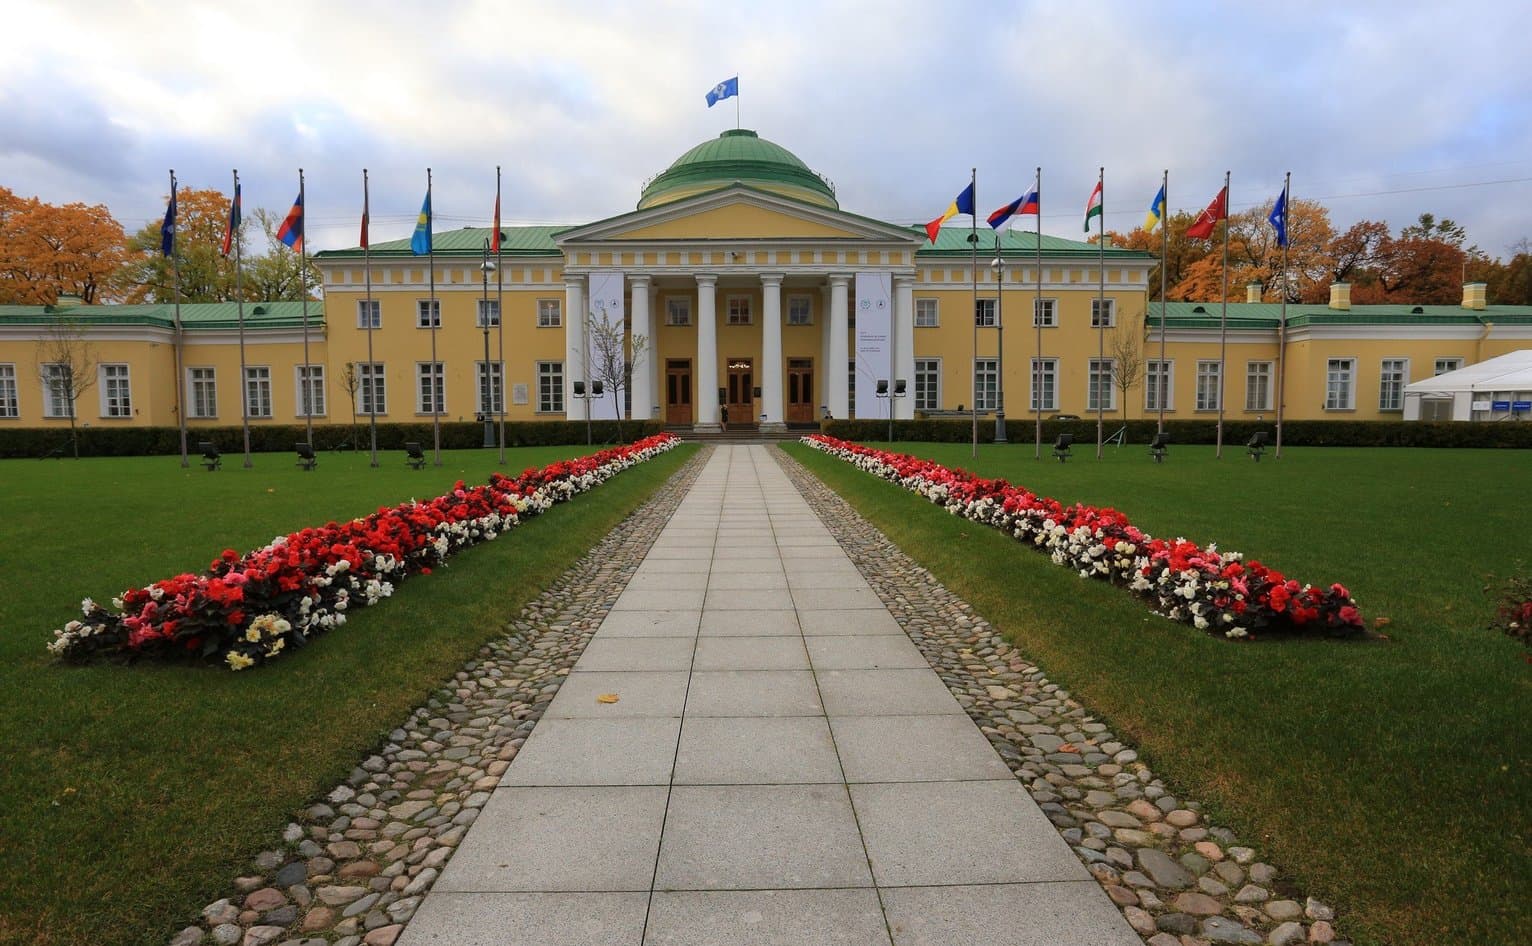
1202 227
494 238
364 215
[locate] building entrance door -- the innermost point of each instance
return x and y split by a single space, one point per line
800 390
739 396
678 391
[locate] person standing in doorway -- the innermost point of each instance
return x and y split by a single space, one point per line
723 416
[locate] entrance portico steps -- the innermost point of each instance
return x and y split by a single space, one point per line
741 434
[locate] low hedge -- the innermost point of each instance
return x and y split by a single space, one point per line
1295 433
161 441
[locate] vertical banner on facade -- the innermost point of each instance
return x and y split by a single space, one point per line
874 343
605 338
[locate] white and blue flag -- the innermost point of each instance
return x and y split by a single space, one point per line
725 89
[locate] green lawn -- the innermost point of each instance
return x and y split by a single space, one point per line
131 796
1390 778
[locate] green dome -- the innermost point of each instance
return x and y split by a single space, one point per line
737 155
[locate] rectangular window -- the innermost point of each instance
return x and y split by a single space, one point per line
371 387
800 310
1396 374
1043 381
926 313
678 311
1045 312
491 387
550 313
1209 373
488 313
1444 365
310 391
257 392
550 387
987 377
57 388
739 310
1340 389
430 388
204 392
1099 390
1258 376
984 313
1103 313
362 306
116 399
1158 383
9 405
428 313
928 384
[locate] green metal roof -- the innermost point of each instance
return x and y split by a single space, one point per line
194 315
953 241
465 243
1267 315
738 154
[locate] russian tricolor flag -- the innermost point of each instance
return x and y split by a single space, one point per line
1025 204
291 231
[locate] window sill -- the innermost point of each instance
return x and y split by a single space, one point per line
556 325
1340 410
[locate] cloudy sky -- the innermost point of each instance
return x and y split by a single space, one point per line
1382 110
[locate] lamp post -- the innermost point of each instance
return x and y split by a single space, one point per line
898 391
488 403
999 342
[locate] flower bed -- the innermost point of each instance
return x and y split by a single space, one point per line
1215 591
247 609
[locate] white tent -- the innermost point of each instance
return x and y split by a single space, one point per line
1499 388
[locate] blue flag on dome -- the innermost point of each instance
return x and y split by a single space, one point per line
725 89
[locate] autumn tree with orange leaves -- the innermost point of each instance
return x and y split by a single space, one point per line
47 252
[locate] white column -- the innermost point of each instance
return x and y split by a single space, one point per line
836 373
904 343
574 347
656 366
771 351
642 393
822 362
707 352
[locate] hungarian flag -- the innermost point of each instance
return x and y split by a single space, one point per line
494 238
1093 207
233 226
1202 227
291 230
1025 204
962 205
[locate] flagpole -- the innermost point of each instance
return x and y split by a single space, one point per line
1163 394
372 377
1037 318
1100 311
1223 317
999 338
239 299
175 269
436 372
303 283
500 309
1287 203
973 246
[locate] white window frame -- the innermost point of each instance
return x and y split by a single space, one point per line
423 309
260 377
208 385
986 397
1049 382
1394 385
678 311
928 313
800 309
1340 384
1154 385
1209 384
1451 363
55 381
114 406
1252 375
738 310
550 387
1049 312
984 313
10 394
316 390
1100 373
497 395
423 382
361 314
481 306
550 313
372 388
1111 313
931 368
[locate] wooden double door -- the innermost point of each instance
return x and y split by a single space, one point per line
739 392
800 391
678 391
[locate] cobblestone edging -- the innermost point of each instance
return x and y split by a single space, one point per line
1178 880
354 868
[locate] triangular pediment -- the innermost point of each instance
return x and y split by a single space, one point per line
735 213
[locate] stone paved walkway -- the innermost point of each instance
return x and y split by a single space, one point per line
781 765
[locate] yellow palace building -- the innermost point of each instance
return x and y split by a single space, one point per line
758 299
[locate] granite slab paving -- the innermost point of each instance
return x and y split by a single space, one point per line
755 753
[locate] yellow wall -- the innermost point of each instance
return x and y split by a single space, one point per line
737 221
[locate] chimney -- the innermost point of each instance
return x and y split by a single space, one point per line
1340 296
1474 296
1252 292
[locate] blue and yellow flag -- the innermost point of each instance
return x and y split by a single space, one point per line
420 242
1156 215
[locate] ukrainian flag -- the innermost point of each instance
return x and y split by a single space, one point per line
420 242
1156 213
